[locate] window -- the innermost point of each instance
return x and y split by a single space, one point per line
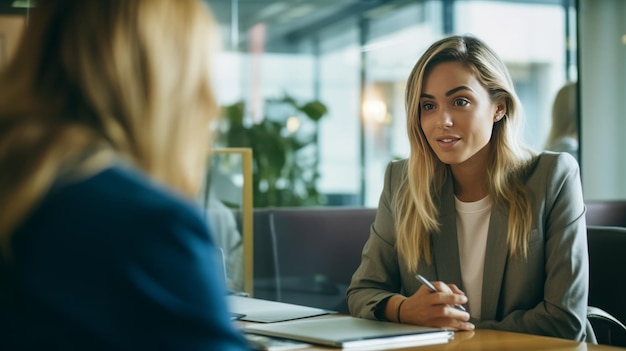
355 56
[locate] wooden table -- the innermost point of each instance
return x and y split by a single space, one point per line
493 340
504 341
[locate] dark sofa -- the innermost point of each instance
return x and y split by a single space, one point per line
606 213
307 255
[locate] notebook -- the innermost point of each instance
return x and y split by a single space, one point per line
270 343
265 311
351 333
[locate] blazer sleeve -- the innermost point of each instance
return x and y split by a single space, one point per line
556 195
378 277
113 262
177 286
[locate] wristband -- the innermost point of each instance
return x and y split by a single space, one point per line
398 311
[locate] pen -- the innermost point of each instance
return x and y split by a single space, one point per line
432 288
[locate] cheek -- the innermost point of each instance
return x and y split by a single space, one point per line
484 131
426 124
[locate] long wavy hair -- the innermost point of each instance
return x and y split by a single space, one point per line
417 215
128 77
564 111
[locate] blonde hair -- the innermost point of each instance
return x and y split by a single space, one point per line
130 77
564 112
417 215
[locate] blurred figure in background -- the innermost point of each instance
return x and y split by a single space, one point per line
227 237
104 129
564 132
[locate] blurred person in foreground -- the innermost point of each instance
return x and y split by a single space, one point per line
495 226
104 128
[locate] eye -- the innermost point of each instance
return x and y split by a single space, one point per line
427 106
461 102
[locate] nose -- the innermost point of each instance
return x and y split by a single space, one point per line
444 119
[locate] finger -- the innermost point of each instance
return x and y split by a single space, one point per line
445 299
452 324
465 325
451 311
446 311
455 289
459 299
442 287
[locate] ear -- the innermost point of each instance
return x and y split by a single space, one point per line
500 111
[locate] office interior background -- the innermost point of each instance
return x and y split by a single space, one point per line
347 61
353 57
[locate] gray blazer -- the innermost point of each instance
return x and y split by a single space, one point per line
544 294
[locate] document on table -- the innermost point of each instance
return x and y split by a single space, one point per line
265 311
270 343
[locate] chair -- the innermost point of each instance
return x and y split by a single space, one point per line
307 255
606 213
607 287
317 251
266 279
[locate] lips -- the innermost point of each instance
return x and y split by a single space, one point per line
447 141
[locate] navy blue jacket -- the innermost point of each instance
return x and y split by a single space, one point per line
116 262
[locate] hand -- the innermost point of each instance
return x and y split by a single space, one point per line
436 309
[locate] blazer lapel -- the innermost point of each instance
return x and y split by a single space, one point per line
496 255
445 245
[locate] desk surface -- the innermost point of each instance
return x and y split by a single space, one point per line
488 340
493 340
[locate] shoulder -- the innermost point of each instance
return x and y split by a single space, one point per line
399 164
554 163
142 254
396 171
553 174
117 215
123 183
122 193
117 204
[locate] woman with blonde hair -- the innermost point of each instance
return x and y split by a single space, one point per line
564 131
497 228
104 128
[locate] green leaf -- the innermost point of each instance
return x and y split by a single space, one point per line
314 110
284 166
234 114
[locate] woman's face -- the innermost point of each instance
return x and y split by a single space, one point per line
457 114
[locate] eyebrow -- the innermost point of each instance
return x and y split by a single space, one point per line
449 92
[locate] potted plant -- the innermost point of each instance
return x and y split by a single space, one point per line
285 160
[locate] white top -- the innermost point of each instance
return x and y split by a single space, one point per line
472 224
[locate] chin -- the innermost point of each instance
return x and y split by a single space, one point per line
449 159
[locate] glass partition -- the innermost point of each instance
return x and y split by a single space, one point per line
227 199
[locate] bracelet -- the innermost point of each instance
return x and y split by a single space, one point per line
398 311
